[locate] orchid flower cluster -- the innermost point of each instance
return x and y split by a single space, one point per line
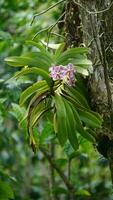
63 73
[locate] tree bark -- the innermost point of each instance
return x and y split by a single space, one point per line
97 26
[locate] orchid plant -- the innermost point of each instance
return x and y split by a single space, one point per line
58 94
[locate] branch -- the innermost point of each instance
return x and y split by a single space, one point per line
44 11
70 187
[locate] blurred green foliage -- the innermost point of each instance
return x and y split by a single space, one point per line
23 175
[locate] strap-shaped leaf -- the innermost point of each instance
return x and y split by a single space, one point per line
90 119
72 100
50 45
37 59
37 98
82 62
60 119
37 71
80 107
32 89
35 44
59 50
71 126
91 132
36 110
82 71
73 53
80 127
32 123
77 96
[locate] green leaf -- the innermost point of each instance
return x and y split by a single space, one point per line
35 44
91 132
59 51
37 59
38 112
77 96
38 96
36 106
90 119
73 54
82 62
32 89
82 71
50 45
32 124
37 71
80 127
35 135
37 109
60 119
6 191
74 101
71 126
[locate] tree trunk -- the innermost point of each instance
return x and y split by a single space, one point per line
97 26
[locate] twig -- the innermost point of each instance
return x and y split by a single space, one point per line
70 187
96 12
44 11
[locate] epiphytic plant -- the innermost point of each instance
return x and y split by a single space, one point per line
58 94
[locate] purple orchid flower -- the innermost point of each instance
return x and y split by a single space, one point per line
64 73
